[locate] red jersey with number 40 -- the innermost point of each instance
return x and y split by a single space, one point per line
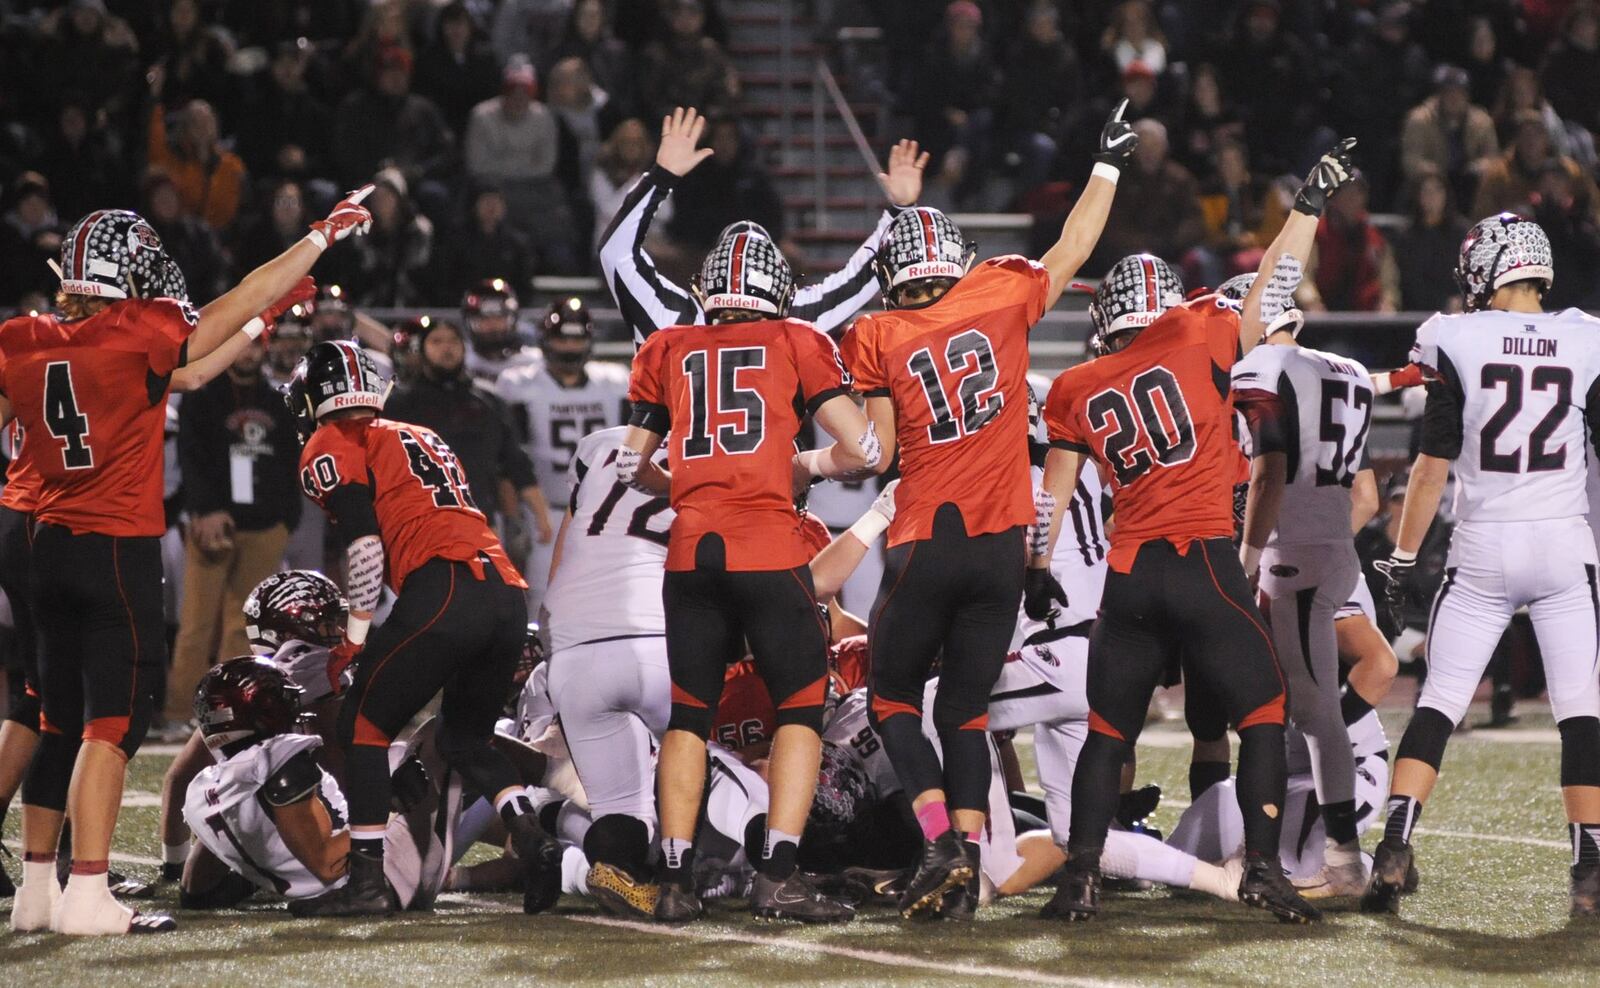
1159 414
419 493
957 372
91 397
734 395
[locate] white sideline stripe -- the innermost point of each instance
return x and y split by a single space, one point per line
137 797
1469 835
1162 738
160 749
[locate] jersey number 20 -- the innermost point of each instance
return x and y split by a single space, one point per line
1152 428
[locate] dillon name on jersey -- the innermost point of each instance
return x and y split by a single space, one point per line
552 418
614 553
1510 408
222 809
1326 414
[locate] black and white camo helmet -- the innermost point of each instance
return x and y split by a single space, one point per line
117 254
921 244
1237 287
1132 295
1498 251
745 272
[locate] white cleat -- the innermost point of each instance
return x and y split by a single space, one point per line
33 905
90 909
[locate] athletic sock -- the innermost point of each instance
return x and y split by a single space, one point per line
368 843
1204 775
1130 855
38 869
1341 821
934 819
513 803
1263 773
1352 707
1585 843
677 862
174 854
1403 811
778 854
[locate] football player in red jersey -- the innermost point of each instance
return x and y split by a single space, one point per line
944 372
1155 411
729 397
89 385
400 502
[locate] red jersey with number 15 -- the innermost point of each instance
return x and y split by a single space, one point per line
733 396
419 493
1159 414
91 396
957 372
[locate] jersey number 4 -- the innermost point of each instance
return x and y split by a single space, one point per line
724 365
1540 459
971 356
438 470
1151 421
62 418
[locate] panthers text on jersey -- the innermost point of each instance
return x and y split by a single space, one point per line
956 371
552 418
731 397
1316 409
613 554
1158 415
419 493
21 492
223 809
1510 403
91 395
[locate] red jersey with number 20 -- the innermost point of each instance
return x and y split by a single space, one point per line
419 493
734 395
1159 414
91 397
957 372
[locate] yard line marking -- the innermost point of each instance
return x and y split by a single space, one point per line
1469 835
160 749
138 797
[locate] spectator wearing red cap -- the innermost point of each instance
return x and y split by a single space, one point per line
512 143
953 97
389 124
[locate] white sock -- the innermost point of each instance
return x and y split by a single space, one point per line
174 854
1129 855
88 884
474 820
38 872
574 872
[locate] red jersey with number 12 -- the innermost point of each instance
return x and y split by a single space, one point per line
957 372
419 493
1159 414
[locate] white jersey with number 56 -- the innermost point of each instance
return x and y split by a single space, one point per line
614 553
1511 403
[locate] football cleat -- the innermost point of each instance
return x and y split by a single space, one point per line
797 899
1265 887
620 894
541 861
676 904
171 873
1586 890
1136 806
875 885
7 889
1077 898
32 906
1393 868
943 866
961 903
88 911
365 893
152 923
1342 875
131 888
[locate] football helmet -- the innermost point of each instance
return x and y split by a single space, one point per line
569 320
1278 310
243 698
116 254
1498 251
489 311
745 272
1132 295
921 244
331 377
532 655
331 315
1237 287
842 791
295 605
405 350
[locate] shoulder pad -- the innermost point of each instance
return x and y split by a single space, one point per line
295 780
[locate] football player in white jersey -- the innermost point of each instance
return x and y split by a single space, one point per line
556 403
1516 397
1309 413
489 313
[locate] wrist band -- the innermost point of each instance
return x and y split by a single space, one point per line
1108 172
318 238
868 527
355 629
254 328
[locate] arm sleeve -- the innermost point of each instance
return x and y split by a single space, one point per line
647 300
831 302
1266 415
646 391
821 369
514 463
294 781
861 360
353 512
1442 431
199 457
1059 422
166 324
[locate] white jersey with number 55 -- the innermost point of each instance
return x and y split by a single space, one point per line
1512 405
553 418
1324 412
613 555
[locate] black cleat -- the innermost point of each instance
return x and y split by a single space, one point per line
541 863
676 904
1264 886
1077 898
171 873
366 893
943 866
961 903
797 899
1586 890
878 886
1393 868
152 923
124 887
1412 879
1133 807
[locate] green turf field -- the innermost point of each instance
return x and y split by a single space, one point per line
1491 910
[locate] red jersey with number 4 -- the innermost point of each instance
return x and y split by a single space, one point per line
734 396
91 396
957 372
419 493
22 477
1159 414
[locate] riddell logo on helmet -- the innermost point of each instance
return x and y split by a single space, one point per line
349 400
933 269
735 302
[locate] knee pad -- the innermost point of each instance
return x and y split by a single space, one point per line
1425 737
620 840
124 733
24 708
956 710
880 708
1580 751
50 772
802 706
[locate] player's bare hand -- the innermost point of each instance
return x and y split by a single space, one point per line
680 132
903 181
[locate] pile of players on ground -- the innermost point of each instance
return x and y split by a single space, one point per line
706 721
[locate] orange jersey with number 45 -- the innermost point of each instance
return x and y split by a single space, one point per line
419 493
957 372
1159 414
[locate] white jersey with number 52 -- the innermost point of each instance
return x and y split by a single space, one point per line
614 553
1522 381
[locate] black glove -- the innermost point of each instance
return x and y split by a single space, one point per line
1117 140
1398 573
1328 176
1039 589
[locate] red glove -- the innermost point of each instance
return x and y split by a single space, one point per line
339 659
348 217
304 290
1409 376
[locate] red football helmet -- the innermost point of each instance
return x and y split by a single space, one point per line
243 698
